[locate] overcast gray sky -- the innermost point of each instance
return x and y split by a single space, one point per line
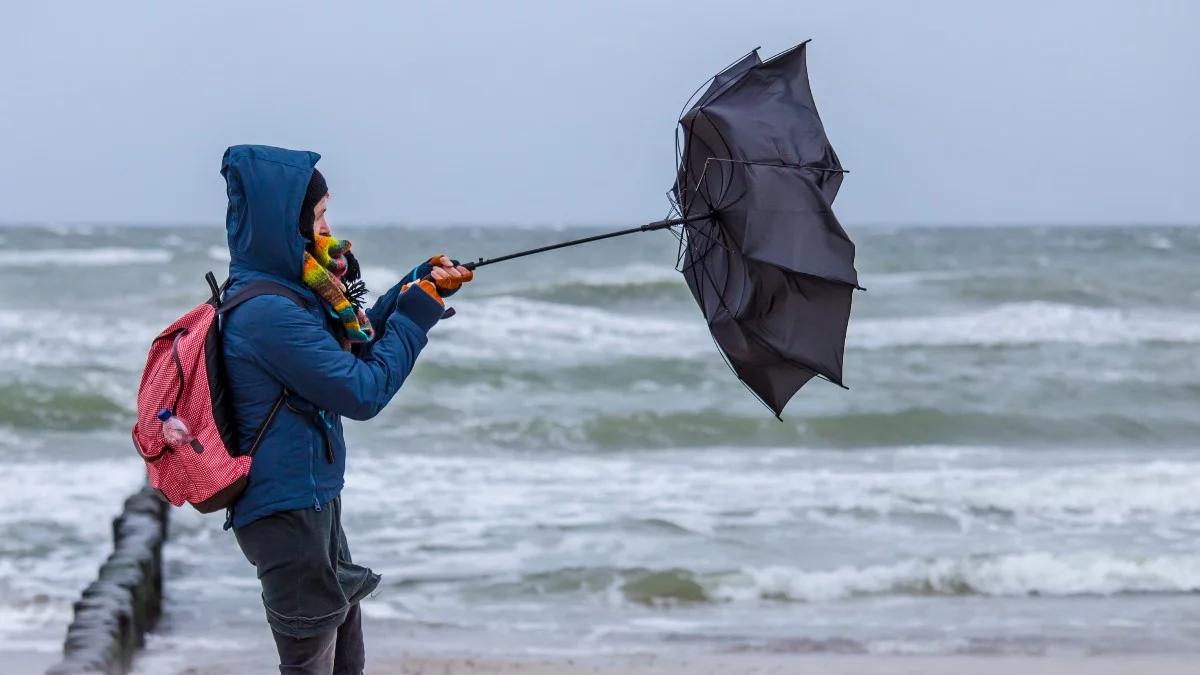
563 112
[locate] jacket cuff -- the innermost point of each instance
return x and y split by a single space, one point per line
419 308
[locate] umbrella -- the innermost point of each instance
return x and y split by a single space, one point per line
764 255
760 248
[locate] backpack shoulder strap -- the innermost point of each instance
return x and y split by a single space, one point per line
253 290
257 288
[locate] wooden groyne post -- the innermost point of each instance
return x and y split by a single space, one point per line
116 610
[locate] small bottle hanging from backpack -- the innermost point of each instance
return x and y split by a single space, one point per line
176 432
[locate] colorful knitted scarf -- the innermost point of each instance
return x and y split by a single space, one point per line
323 270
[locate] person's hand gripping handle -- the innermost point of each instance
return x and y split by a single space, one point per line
441 277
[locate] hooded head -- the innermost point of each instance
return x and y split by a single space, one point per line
317 190
266 188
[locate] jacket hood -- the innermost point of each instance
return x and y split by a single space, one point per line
266 186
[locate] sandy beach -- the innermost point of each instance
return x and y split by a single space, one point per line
437 663
797 665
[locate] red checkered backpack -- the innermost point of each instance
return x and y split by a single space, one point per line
185 375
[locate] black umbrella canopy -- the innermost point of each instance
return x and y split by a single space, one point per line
731 73
764 255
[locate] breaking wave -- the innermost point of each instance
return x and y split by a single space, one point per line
1028 323
638 429
1009 575
1021 574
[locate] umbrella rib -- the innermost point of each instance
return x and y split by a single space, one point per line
713 242
716 287
679 250
707 203
725 185
732 250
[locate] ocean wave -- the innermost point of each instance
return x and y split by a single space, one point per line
55 524
35 406
508 327
1029 323
614 584
88 342
909 279
1018 574
90 257
648 428
380 278
575 286
598 286
1005 575
914 498
827 492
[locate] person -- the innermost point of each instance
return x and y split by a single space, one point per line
311 365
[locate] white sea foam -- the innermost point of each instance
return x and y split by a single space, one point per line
1027 323
55 521
918 647
906 280
1158 242
511 327
895 501
379 278
1096 494
633 274
218 253
78 340
1017 574
89 257
1100 493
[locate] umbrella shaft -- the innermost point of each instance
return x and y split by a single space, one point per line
658 225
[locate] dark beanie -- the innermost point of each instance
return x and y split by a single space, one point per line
317 189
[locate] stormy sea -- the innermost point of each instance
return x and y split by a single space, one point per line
571 469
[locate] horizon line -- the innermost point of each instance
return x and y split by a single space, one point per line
72 224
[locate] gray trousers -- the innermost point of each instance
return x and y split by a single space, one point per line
336 652
311 588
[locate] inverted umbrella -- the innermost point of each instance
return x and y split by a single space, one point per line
760 248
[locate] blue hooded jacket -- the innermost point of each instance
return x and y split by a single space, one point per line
270 342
